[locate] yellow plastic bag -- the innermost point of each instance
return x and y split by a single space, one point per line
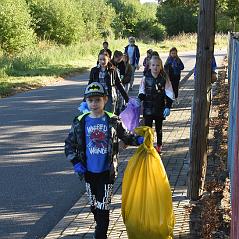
146 195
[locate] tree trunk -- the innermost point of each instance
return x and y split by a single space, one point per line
201 100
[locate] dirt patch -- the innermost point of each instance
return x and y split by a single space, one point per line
211 215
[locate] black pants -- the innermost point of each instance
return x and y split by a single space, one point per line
148 121
99 190
175 84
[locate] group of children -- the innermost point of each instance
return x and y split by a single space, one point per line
92 145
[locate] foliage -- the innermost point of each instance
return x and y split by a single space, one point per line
183 3
158 32
177 19
128 14
58 20
148 27
49 59
69 21
227 15
223 23
149 10
137 20
97 17
15 31
150 30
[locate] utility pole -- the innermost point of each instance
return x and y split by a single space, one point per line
201 99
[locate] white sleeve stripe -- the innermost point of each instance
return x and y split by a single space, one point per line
142 86
169 89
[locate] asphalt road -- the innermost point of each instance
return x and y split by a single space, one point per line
37 185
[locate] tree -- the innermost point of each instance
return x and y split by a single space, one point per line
128 14
98 17
227 17
15 26
58 20
201 99
233 13
177 17
136 19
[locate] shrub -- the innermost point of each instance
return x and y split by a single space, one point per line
158 32
177 19
224 23
128 15
97 17
15 31
150 30
136 19
58 20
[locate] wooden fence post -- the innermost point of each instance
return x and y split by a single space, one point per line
201 101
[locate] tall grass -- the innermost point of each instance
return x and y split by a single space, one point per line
183 42
52 60
39 66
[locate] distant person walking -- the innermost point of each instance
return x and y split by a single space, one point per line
108 75
132 51
146 60
118 62
106 48
173 66
128 73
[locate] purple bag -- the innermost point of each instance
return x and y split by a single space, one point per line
130 116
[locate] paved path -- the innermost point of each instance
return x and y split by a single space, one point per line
35 177
79 223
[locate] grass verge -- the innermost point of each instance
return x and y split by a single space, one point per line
47 62
12 85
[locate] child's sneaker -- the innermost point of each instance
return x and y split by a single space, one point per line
159 148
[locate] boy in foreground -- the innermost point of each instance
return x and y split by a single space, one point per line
92 148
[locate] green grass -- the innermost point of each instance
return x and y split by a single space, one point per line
183 42
12 85
40 66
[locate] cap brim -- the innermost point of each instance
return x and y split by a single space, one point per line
94 94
